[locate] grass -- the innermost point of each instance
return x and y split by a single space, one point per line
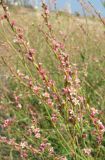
84 43
86 50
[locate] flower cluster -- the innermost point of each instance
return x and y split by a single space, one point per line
7 123
37 132
87 151
63 108
21 147
99 127
46 146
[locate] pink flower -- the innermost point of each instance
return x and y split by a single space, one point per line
56 45
43 147
24 154
95 121
7 123
94 112
46 95
37 133
101 126
49 102
47 11
36 89
87 151
51 150
16 99
23 144
19 106
13 23
30 54
54 118
30 83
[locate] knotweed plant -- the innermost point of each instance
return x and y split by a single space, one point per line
61 125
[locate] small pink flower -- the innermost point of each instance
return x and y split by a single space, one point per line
54 118
36 130
30 83
19 73
30 54
95 121
47 11
7 123
51 150
24 154
101 126
36 89
75 101
49 102
56 45
16 99
94 112
42 147
13 23
23 144
37 133
87 151
46 95
19 106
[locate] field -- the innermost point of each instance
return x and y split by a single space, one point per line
72 130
